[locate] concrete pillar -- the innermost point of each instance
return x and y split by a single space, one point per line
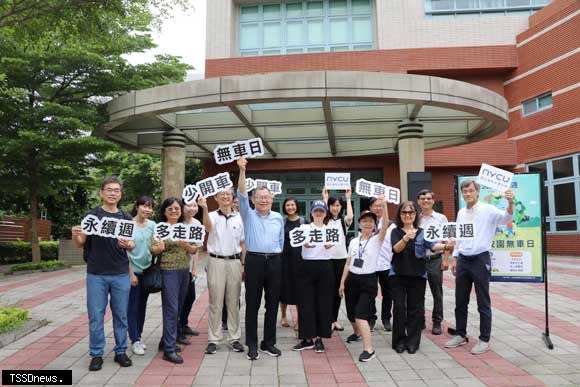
173 163
411 148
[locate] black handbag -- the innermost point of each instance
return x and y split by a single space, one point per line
152 280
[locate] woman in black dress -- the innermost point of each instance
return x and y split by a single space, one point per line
291 257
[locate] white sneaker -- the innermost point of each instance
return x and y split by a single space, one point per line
143 345
138 348
456 341
480 347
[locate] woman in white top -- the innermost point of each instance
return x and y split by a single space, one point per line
338 251
359 280
189 212
315 288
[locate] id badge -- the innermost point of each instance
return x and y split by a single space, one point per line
358 263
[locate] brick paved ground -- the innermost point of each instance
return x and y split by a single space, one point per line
518 356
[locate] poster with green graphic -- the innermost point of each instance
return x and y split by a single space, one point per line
517 250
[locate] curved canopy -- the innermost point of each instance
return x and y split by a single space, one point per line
307 114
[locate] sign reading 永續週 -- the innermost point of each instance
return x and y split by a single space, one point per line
224 154
308 234
207 187
449 230
374 190
495 178
194 233
338 181
108 227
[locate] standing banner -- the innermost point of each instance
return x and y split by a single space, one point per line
517 253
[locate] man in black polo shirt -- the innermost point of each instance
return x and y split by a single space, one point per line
108 272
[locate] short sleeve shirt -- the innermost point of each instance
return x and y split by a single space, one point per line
226 235
368 250
318 252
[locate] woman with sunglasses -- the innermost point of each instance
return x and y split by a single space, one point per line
408 277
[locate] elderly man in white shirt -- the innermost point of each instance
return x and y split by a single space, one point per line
472 263
224 269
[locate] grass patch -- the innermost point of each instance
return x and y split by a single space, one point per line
45 265
11 318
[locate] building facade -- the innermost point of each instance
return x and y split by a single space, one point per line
527 51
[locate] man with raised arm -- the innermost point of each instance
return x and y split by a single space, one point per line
471 263
264 234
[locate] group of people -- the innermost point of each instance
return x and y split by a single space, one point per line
253 243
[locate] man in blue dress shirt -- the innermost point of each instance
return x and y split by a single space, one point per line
264 234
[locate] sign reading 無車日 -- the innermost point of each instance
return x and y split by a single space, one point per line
517 250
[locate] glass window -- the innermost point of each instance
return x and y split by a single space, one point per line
296 191
249 13
362 29
563 168
315 31
272 35
482 7
272 52
541 167
517 3
339 30
294 10
466 4
315 49
314 8
361 6
564 199
566 226
294 51
294 33
529 107
545 101
249 36
337 7
271 11
535 104
492 3
442 4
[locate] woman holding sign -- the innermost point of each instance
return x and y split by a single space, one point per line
175 272
359 279
338 251
316 285
140 258
409 277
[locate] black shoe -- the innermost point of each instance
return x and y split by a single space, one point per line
365 356
387 325
237 346
400 348
372 324
352 338
183 340
96 364
411 350
436 330
319 346
123 360
161 347
252 354
225 325
186 330
302 345
172 357
211 349
270 350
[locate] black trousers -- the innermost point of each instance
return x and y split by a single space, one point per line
473 271
315 296
263 275
360 291
386 292
188 303
409 300
435 279
337 268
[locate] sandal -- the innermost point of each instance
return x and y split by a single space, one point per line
284 323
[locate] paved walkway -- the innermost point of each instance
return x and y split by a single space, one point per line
518 356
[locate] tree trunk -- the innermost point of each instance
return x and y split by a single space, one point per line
34 225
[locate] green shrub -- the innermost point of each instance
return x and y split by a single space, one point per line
19 251
46 265
11 318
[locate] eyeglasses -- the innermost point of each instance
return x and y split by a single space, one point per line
112 190
409 213
172 209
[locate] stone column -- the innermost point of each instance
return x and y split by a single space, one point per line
173 163
411 147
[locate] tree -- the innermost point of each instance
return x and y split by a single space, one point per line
55 73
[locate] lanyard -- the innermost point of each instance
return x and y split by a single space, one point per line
361 250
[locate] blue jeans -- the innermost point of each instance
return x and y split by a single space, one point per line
137 308
98 289
175 285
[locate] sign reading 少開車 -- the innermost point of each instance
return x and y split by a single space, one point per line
495 178
338 181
